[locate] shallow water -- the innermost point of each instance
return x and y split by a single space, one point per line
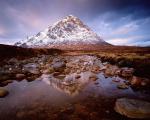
49 98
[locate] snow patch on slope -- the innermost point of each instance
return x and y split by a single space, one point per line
69 30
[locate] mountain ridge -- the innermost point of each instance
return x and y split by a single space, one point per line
68 31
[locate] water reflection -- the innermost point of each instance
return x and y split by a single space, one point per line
102 86
70 85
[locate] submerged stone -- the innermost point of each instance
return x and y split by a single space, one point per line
3 92
133 108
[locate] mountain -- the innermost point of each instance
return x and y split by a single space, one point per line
68 32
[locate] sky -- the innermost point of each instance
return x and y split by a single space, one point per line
119 22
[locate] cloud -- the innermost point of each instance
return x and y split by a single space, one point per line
2 31
131 40
125 29
111 19
28 18
9 41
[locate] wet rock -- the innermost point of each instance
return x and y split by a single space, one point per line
48 71
133 108
123 86
3 92
116 79
77 76
103 68
61 77
108 72
46 78
20 76
55 74
69 80
127 72
118 72
105 63
93 77
31 78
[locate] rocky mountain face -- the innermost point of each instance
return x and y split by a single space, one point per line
69 31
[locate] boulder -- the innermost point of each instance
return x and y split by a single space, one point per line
59 66
123 86
6 82
93 77
127 72
3 92
12 61
139 82
20 76
32 68
133 108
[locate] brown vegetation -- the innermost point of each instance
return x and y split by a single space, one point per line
123 56
7 52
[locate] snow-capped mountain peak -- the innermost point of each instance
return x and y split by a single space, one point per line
70 30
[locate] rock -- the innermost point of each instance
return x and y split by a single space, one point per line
103 68
67 71
48 71
118 72
20 76
78 72
69 80
61 77
3 92
139 82
56 74
59 66
123 86
110 71
127 72
77 76
32 77
12 61
45 71
93 77
6 82
32 68
116 80
136 81
133 108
